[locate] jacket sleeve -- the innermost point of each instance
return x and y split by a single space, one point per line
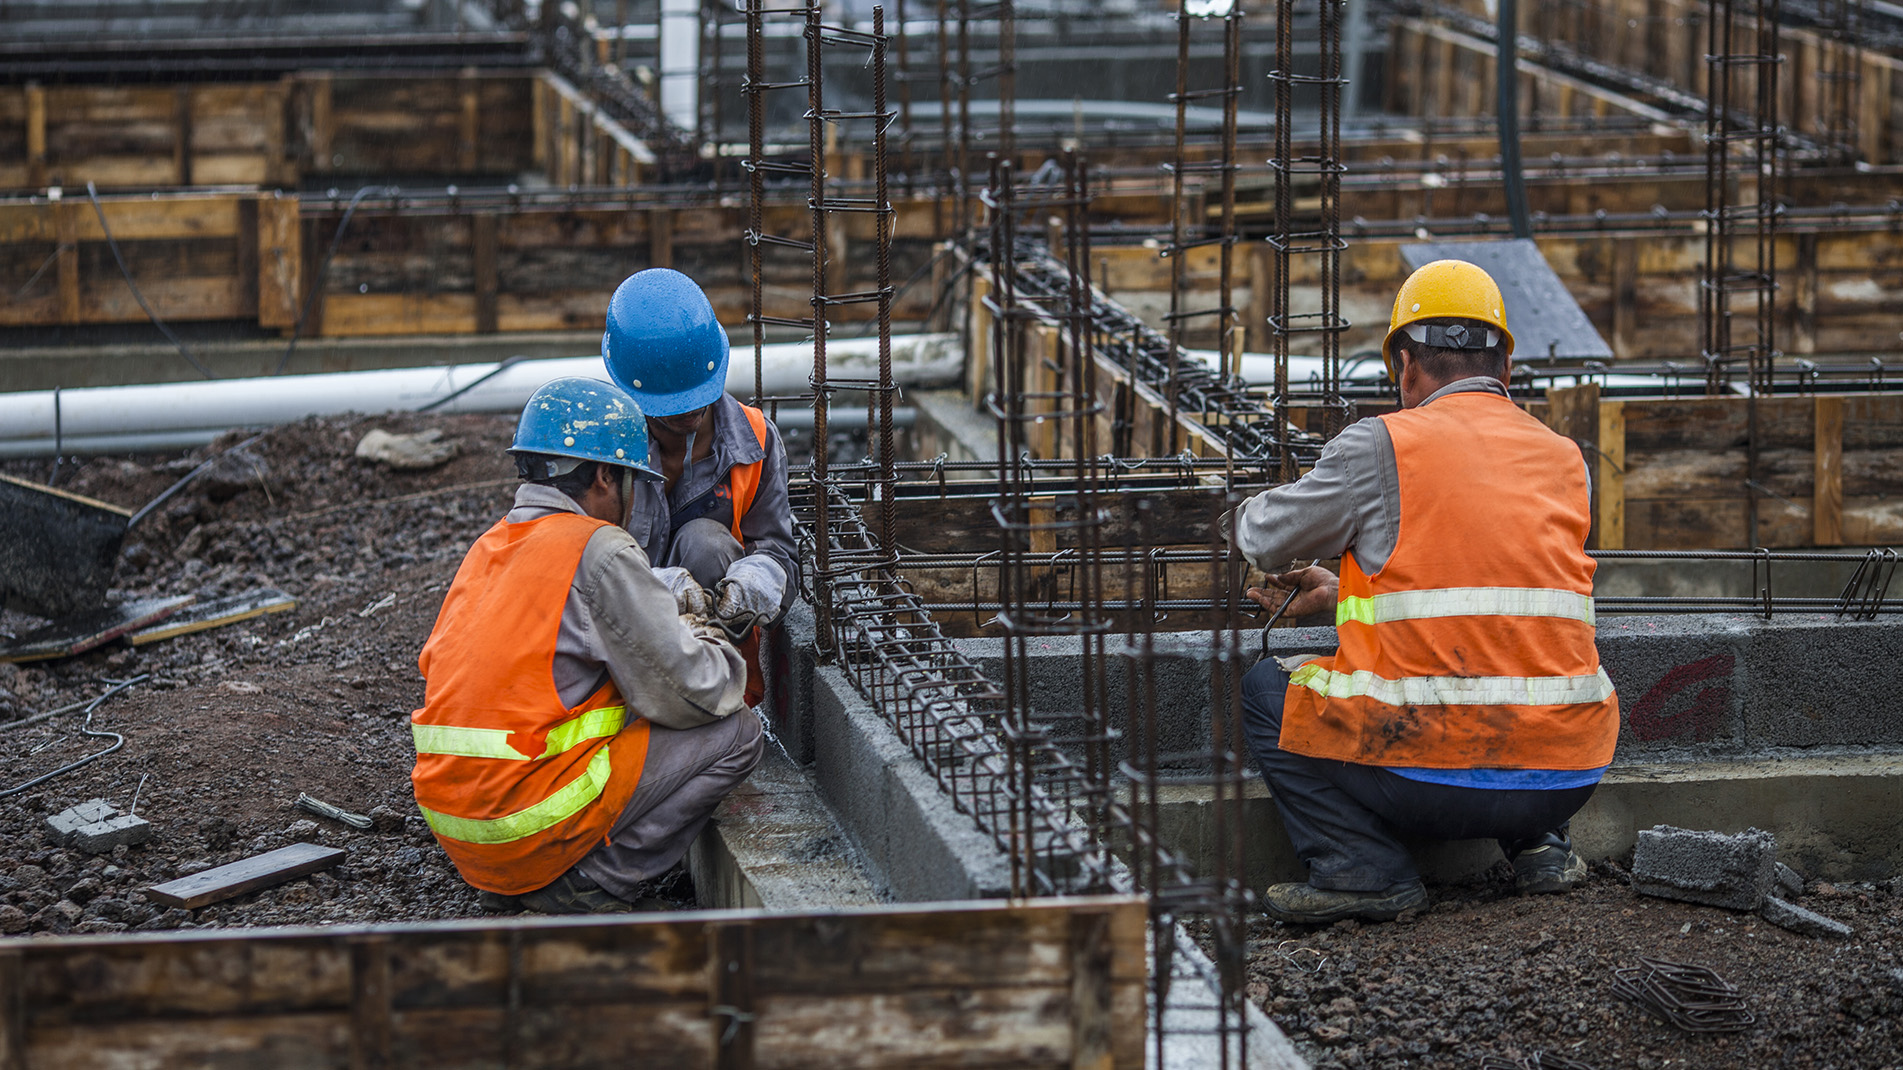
767 529
1349 500
675 675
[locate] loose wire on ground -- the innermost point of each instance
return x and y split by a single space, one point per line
86 729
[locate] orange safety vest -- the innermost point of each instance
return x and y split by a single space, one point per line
517 785
1472 648
743 480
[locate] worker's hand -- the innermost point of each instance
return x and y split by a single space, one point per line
1319 589
689 596
750 593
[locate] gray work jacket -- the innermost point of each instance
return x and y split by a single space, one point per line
1350 501
767 527
620 623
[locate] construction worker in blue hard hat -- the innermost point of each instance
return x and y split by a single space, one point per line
576 733
717 524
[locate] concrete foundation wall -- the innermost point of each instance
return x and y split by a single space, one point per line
1689 686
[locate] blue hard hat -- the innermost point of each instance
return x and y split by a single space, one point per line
663 344
583 420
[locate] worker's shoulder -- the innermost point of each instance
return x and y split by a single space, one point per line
610 547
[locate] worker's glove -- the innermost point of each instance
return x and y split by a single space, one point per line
691 599
750 593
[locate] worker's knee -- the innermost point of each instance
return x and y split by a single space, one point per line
748 740
705 547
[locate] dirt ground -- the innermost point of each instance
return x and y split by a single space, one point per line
1482 972
235 722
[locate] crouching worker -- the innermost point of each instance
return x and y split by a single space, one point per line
576 733
717 524
1466 699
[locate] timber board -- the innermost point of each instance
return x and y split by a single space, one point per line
1050 983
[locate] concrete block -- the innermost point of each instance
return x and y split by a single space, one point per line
1788 880
908 832
103 836
1798 920
1734 872
1819 681
61 826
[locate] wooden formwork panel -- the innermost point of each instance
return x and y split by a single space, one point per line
1048 983
1674 474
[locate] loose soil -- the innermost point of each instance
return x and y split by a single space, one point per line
1482 972
236 721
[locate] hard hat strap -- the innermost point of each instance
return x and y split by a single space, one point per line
1456 336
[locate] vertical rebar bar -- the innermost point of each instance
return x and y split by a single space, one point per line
756 181
822 395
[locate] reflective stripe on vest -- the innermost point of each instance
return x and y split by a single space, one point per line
1465 602
1454 690
494 742
548 813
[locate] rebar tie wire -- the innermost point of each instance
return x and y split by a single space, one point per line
86 729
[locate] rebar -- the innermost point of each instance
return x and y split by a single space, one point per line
1840 80
1741 212
1317 241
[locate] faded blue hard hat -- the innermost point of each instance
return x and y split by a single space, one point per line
577 420
663 344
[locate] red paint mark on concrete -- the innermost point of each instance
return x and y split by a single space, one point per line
1657 716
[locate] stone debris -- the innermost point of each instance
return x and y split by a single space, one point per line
61 826
1798 920
1734 872
1788 880
407 453
102 836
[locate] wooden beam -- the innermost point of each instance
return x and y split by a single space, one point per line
245 875
1609 478
660 238
1574 413
1804 303
1625 289
1091 1011
370 1002
12 1010
182 133
731 1013
483 242
36 135
469 132
1827 499
280 260
66 218
322 130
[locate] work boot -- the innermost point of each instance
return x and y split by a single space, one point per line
497 903
1305 904
574 893
1548 869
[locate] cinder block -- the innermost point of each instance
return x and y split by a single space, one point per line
61 826
1733 872
1798 920
103 836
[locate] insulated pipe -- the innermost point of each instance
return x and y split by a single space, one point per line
168 416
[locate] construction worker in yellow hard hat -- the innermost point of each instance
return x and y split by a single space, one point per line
1466 698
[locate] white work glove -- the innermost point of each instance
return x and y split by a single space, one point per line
690 597
750 593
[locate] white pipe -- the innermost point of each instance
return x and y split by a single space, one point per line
179 415
680 62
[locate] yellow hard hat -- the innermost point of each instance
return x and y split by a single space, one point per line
1442 289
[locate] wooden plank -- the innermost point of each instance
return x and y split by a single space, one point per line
1574 412
182 134
1090 993
1827 500
322 127
660 238
469 132
245 875
215 613
36 136
280 260
731 1011
1609 496
12 1010
483 247
370 999
66 218
88 631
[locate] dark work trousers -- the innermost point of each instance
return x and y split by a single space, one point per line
1345 819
